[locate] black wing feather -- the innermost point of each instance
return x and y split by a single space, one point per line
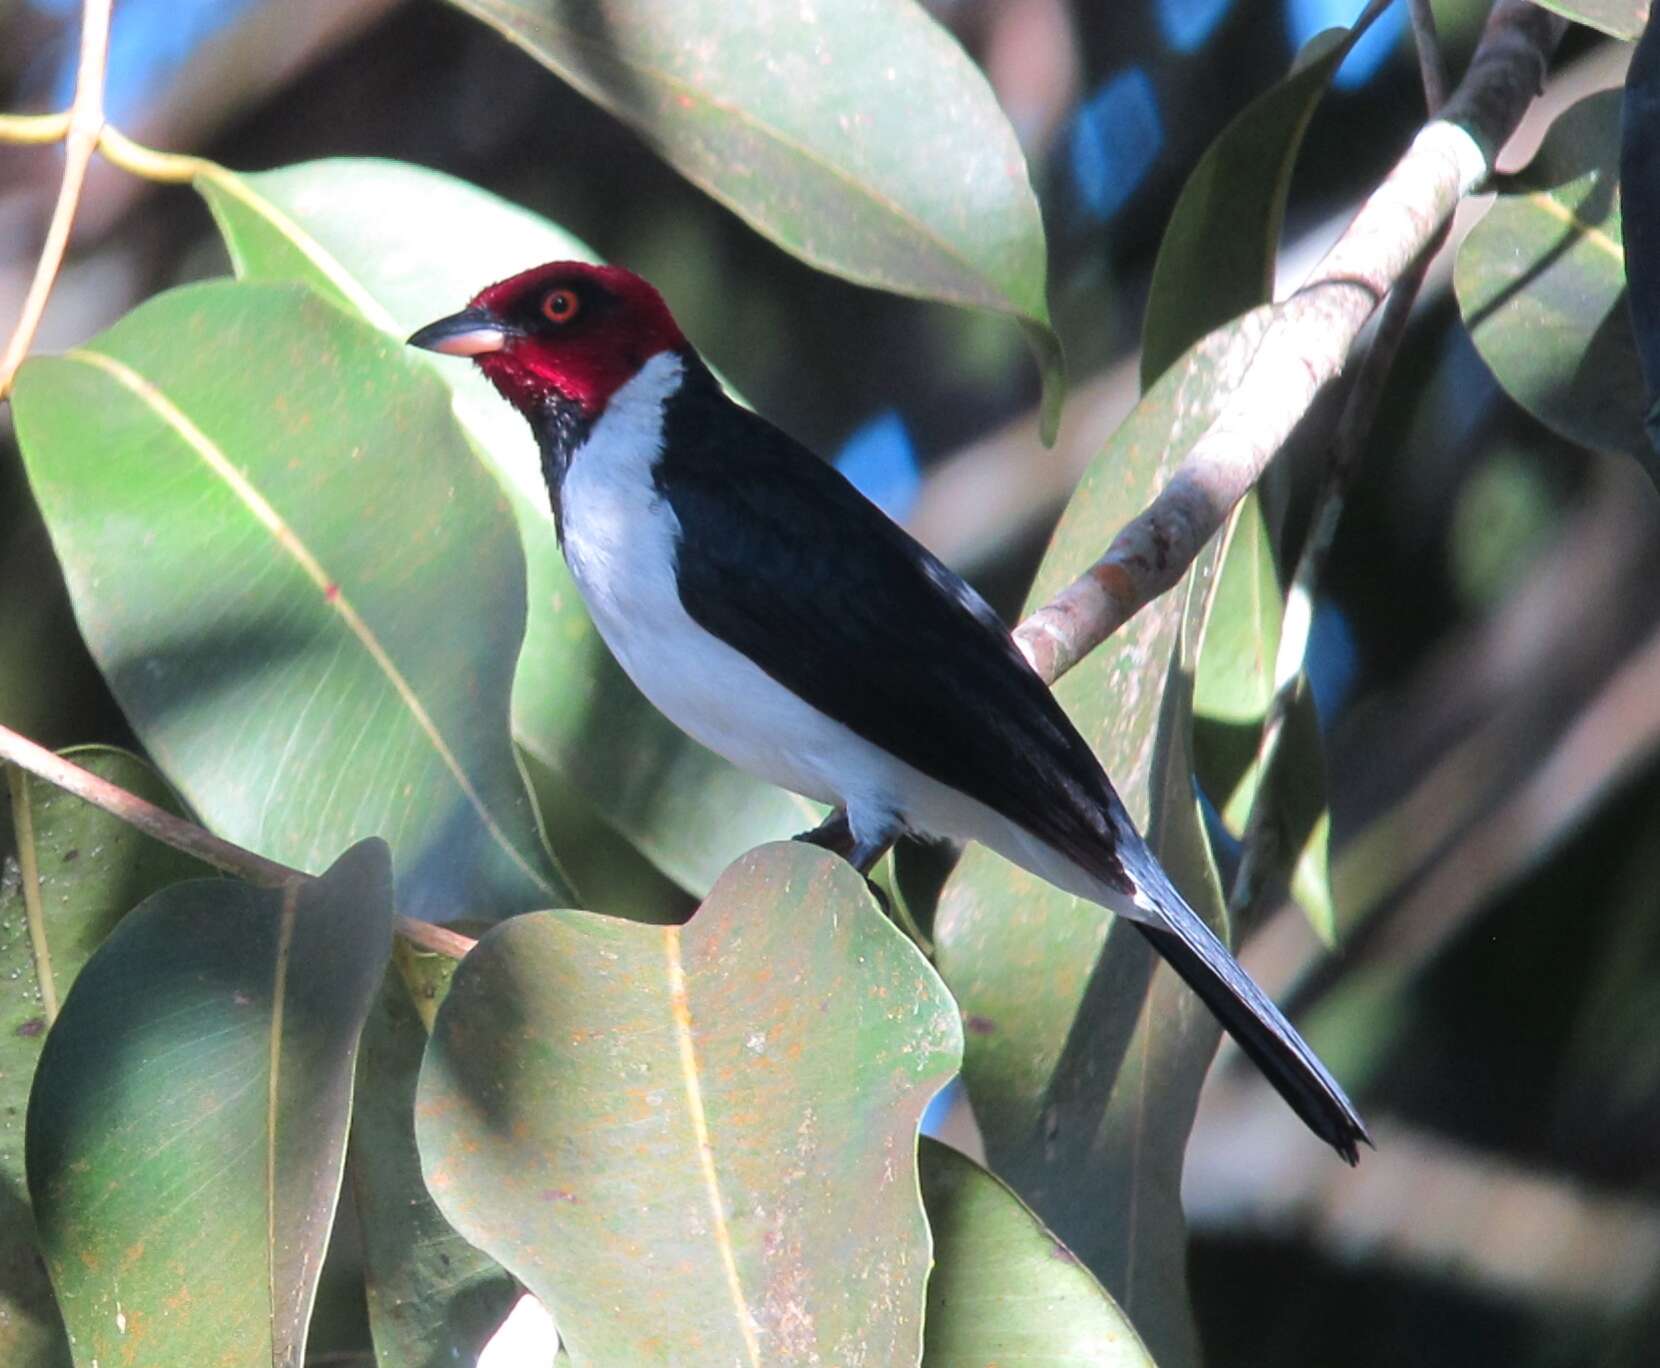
865 624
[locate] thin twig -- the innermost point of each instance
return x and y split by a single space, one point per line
86 122
171 168
34 130
170 830
1307 344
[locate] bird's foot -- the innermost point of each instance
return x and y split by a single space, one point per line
834 833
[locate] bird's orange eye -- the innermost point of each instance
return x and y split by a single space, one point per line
561 306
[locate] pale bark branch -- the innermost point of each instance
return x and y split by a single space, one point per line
164 826
1307 344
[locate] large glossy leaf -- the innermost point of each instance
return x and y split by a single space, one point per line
400 245
856 134
1216 259
1233 689
90 870
723 1113
187 1126
1617 18
434 1300
1005 1291
303 590
1083 1062
1541 284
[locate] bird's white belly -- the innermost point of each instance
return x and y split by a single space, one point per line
717 695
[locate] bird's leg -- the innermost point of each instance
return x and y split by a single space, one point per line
834 833
875 828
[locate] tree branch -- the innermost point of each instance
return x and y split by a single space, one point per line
1307 344
163 826
85 121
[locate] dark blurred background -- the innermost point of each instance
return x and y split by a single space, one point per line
1484 657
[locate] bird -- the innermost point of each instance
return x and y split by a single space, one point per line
784 621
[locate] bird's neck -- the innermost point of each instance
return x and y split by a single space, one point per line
561 427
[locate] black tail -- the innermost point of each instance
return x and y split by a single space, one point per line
1260 1028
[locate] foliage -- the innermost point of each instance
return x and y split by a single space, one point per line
319 575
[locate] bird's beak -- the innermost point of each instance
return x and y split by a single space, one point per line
472 332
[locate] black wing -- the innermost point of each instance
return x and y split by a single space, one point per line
864 623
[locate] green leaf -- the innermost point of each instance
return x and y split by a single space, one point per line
301 587
856 134
1216 260
1297 776
433 1299
188 1121
1541 284
1084 1064
1232 692
1004 1290
723 1112
1235 680
1617 18
91 869
400 245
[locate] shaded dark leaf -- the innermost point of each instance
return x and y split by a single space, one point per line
187 1126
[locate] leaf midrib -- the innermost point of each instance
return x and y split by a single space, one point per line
691 1078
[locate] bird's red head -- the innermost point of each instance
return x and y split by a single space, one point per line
566 331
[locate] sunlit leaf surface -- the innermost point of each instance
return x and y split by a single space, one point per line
854 133
724 1113
1617 18
305 592
1004 1290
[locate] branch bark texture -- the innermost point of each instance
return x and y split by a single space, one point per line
1308 342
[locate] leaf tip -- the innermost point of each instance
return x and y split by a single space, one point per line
1051 360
